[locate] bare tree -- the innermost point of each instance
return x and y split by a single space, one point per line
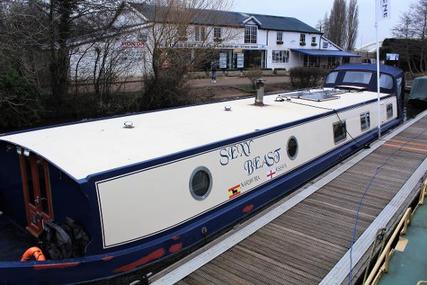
419 13
405 28
180 37
324 25
352 24
338 23
411 32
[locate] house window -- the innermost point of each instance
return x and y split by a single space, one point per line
251 34
314 41
340 131
280 56
365 121
217 33
199 33
302 40
389 111
279 38
325 44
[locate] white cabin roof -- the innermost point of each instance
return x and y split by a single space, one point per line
88 148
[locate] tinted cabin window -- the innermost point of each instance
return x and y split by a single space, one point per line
340 131
365 121
389 111
332 78
200 183
386 81
357 77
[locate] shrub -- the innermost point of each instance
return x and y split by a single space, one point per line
166 89
253 74
306 77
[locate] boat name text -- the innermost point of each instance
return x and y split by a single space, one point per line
233 152
269 159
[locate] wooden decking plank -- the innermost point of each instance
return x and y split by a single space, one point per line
297 244
282 265
254 274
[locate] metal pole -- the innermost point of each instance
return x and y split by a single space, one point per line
378 71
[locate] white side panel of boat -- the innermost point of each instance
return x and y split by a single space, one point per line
141 204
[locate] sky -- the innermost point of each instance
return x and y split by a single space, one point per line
311 11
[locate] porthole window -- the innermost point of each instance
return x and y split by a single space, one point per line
292 148
200 183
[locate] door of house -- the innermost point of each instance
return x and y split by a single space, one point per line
36 190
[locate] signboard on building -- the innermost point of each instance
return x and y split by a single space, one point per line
392 57
240 60
135 44
223 60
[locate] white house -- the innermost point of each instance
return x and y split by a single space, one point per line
260 41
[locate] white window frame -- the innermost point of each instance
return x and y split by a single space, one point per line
280 56
199 33
280 37
302 39
217 33
251 34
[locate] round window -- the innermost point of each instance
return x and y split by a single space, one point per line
292 148
200 183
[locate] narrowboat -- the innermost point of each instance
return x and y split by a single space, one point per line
101 199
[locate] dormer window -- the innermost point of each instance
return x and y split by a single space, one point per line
302 40
280 38
251 33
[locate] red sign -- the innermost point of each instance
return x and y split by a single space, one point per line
138 44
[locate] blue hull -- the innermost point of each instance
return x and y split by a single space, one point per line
159 249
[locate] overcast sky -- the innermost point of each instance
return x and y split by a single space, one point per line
311 11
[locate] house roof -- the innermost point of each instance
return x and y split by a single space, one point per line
228 18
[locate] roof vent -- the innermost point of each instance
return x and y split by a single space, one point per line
128 125
227 108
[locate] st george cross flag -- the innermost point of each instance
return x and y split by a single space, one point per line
383 9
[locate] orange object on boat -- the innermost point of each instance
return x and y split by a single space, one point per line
33 253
